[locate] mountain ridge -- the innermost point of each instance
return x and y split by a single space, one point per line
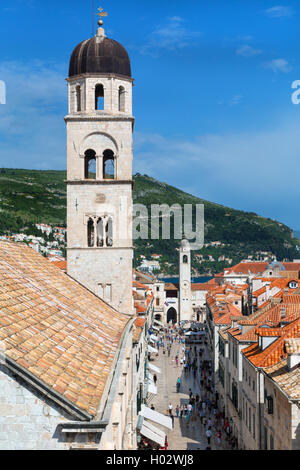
31 196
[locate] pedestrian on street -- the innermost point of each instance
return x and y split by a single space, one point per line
154 379
177 411
219 437
208 436
170 409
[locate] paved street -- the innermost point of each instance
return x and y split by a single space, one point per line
185 435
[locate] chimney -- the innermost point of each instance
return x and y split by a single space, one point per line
282 312
292 348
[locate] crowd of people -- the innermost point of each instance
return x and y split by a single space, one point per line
201 407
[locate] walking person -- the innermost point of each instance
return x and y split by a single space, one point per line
154 379
219 437
208 436
170 409
177 411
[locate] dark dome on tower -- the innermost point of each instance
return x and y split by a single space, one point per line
99 55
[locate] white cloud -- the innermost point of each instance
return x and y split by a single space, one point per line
171 35
248 51
255 171
32 130
279 11
278 65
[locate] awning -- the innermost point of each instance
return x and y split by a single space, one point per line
156 417
151 388
193 333
152 340
158 322
152 433
155 328
154 368
150 377
152 350
155 338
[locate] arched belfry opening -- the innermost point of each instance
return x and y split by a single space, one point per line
90 164
108 165
91 233
99 98
109 232
185 259
78 98
100 232
122 99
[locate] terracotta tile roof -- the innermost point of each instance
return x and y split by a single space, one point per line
61 265
140 322
138 329
246 268
292 346
291 299
171 286
287 380
258 292
140 309
202 286
56 329
274 353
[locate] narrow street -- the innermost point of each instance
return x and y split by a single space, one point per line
186 434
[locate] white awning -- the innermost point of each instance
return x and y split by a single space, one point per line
147 424
158 322
155 338
151 388
156 417
189 333
152 350
152 434
150 377
155 328
152 340
154 368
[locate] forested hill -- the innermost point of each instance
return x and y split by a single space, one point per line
29 196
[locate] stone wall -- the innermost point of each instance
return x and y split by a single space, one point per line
27 420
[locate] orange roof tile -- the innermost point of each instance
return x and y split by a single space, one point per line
275 352
56 329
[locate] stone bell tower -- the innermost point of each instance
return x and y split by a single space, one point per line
185 306
99 170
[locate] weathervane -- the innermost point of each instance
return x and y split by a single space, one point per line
102 14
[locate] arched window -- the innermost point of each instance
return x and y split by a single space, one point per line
122 99
91 233
99 98
185 259
100 237
108 164
90 164
78 98
109 232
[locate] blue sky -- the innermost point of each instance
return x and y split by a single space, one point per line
212 95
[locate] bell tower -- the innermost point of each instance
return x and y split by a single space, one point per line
99 169
185 281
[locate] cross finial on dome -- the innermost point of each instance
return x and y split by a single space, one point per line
100 30
101 14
